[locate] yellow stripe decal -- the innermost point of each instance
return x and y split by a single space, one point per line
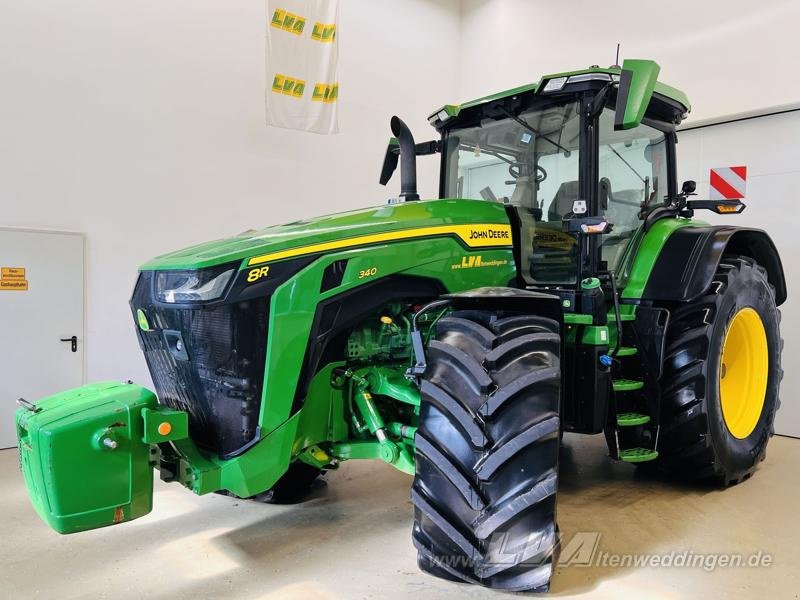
474 236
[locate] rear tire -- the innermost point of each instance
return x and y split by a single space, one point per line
487 451
696 442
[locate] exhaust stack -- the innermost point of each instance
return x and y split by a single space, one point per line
408 159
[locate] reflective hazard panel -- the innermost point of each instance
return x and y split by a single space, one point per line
728 183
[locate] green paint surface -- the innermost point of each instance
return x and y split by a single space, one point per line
75 481
645 258
643 83
381 219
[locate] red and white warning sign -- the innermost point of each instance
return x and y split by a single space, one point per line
728 183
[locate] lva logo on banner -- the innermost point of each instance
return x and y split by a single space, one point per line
302 55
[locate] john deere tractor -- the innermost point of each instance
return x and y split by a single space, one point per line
560 282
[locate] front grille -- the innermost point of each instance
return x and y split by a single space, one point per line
207 360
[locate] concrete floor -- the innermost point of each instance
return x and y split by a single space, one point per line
352 539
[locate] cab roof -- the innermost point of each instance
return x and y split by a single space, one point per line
662 89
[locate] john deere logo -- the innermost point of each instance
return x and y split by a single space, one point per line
288 86
324 33
324 92
287 21
488 233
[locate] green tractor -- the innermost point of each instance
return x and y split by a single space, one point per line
559 283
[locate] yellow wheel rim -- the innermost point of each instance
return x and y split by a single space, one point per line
743 372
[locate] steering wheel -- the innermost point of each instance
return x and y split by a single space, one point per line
541 174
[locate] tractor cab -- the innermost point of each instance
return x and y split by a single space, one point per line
575 155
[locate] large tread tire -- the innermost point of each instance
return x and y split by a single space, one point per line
294 486
487 451
695 442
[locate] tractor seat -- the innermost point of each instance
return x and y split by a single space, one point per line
562 203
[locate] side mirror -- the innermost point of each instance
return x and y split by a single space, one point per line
636 84
688 187
390 161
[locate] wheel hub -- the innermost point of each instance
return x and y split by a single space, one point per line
743 372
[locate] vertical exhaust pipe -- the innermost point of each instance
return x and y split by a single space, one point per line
408 159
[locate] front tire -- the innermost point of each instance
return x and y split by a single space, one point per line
722 371
487 451
293 487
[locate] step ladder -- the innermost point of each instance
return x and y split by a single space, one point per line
626 419
632 419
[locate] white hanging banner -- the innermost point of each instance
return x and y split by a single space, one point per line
302 54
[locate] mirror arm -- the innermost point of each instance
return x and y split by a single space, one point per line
425 148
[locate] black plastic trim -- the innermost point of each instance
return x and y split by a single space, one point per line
651 330
279 273
625 79
686 264
338 313
516 225
512 299
333 275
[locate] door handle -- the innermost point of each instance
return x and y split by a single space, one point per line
74 342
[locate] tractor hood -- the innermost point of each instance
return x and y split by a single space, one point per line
360 227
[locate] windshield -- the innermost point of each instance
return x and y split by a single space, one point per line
530 162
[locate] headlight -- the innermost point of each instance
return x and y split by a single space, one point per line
555 84
589 77
201 285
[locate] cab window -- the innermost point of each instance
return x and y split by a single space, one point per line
632 175
530 162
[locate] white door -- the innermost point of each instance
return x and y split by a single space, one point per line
768 147
41 304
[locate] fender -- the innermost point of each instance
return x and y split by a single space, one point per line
335 314
505 298
688 260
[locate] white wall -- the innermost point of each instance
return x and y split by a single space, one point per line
768 146
142 125
729 57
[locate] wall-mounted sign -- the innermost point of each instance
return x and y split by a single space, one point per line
13 278
12 272
728 183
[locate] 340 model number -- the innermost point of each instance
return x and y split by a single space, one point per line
368 272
